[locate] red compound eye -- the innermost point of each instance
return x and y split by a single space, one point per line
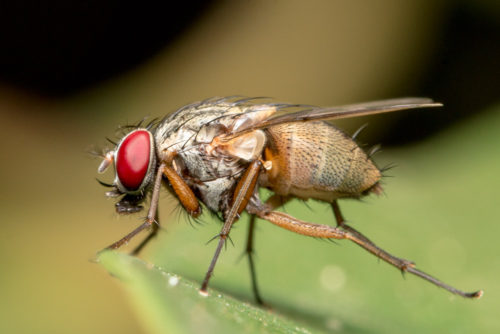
132 159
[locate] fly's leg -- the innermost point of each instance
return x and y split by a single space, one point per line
150 219
325 231
183 192
342 224
242 194
250 253
154 231
402 264
186 197
274 201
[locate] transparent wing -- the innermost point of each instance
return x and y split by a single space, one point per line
351 110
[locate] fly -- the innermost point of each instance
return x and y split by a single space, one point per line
217 154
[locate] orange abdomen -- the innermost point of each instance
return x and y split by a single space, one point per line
316 160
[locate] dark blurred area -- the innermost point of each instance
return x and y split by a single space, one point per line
464 74
60 48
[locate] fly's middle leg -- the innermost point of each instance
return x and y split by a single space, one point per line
244 190
250 253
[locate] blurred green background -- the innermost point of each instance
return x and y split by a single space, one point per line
440 209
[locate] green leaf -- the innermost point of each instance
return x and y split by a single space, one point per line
168 303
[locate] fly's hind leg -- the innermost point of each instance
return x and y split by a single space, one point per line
402 264
367 244
345 232
343 225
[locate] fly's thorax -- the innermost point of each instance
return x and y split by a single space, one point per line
191 136
317 160
208 174
208 119
193 125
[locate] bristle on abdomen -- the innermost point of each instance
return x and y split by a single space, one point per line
375 189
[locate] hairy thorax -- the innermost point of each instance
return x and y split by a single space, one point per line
187 136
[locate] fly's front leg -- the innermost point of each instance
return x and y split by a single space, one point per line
183 192
325 231
150 219
244 190
187 198
154 231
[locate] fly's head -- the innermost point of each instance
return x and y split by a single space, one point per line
134 159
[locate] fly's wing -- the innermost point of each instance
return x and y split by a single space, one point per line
352 110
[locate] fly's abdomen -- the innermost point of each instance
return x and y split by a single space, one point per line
316 160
